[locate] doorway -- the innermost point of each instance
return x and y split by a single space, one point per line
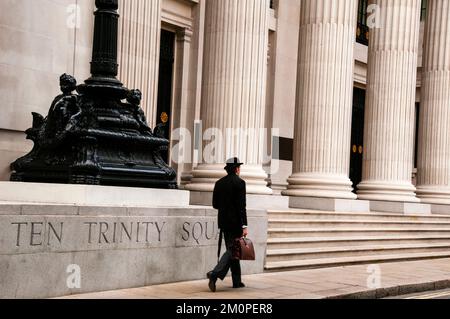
357 146
165 88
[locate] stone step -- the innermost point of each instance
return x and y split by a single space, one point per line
356 231
312 242
338 252
311 239
348 223
300 215
343 261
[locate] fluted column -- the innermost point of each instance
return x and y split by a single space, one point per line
434 135
390 103
139 46
234 89
324 100
104 52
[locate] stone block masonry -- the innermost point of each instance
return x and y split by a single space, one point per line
75 250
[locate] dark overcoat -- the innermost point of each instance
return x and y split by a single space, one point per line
229 199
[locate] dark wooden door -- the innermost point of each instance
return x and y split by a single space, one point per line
165 86
357 146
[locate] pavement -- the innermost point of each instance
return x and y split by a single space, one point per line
359 281
438 294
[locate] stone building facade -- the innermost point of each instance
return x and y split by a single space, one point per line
352 111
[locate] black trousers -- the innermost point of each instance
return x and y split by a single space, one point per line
227 262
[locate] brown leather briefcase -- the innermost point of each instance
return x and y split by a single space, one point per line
243 249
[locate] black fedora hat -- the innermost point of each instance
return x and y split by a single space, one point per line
233 162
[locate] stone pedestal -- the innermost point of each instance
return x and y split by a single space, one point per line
440 209
400 207
206 175
133 247
254 201
91 195
234 90
434 144
390 104
330 204
324 100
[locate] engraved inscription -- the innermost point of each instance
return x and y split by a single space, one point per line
99 234
112 233
38 233
199 231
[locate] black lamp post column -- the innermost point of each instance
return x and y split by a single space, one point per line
104 67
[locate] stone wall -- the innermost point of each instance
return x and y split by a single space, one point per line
39 40
42 247
12 146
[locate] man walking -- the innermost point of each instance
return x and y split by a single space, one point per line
230 199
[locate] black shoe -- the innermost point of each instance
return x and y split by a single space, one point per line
212 282
241 285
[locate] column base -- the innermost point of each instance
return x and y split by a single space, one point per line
440 209
320 185
278 188
254 201
434 195
91 195
185 179
205 177
387 192
330 204
400 207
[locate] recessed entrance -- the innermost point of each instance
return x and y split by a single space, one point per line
165 86
357 146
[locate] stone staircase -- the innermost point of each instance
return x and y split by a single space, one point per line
311 239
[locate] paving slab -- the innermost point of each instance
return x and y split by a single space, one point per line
394 279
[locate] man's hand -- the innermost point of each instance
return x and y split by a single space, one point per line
245 232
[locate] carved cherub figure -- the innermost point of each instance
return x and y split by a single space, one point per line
134 99
63 112
50 131
67 84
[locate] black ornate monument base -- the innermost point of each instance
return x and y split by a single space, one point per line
95 138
